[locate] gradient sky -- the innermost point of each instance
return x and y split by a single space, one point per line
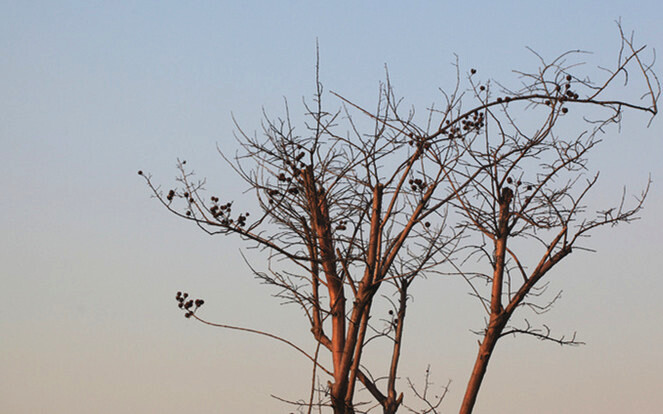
93 91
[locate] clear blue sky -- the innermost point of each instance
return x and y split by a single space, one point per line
92 91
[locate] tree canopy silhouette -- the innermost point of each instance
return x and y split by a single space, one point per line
347 214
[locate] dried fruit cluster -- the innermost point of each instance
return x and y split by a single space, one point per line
468 124
287 180
418 184
342 225
567 95
183 302
474 124
420 142
518 183
222 212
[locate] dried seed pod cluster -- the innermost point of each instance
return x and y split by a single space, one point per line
223 212
520 186
287 180
453 131
474 124
190 306
420 142
567 94
417 184
469 123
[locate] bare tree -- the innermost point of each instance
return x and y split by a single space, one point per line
531 189
360 213
354 214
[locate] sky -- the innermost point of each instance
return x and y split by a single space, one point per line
92 91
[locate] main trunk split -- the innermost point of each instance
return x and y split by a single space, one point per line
498 317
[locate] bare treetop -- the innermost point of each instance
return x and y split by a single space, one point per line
356 211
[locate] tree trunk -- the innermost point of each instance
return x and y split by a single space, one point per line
498 317
338 402
480 366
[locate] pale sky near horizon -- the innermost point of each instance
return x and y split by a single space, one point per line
92 91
